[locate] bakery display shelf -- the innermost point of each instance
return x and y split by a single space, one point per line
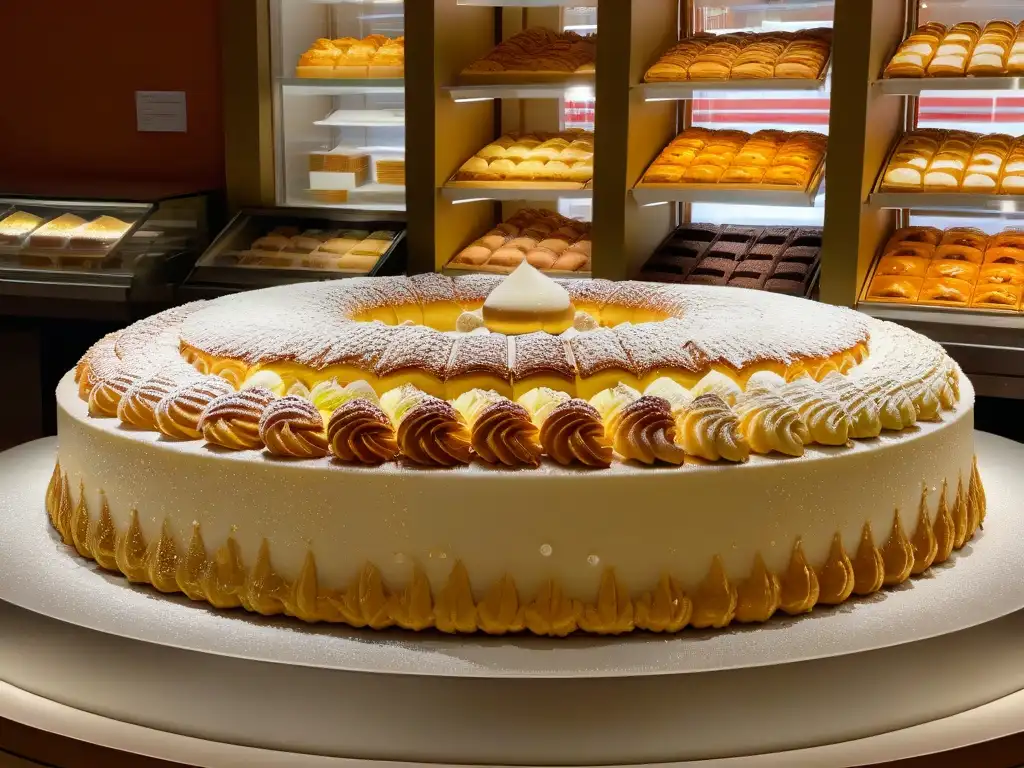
688 89
915 86
947 201
902 311
514 77
531 3
219 268
521 89
736 194
312 86
364 118
539 191
455 271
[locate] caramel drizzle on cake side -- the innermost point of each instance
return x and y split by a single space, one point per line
225 580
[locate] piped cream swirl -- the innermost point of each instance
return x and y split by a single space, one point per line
105 397
828 421
769 423
430 430
292 427
502 431
640 426
708 428
233 421
359 431
178 412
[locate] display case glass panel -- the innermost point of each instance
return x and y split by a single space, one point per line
339 103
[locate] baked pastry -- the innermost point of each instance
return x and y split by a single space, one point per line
239 527
957 252
536 53
564 158
997 296
1003 274
56 232
916 52
902 266
100 233
800 54
15 226
945 291
1004 254
895 288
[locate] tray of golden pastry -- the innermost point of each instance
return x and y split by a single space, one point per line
952 170
769 61
349 58
957 268
535 55
769 167
37 236
527 166
555 244
965 56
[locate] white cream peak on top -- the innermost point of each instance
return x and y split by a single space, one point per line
527 290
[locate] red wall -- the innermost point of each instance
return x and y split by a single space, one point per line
71 69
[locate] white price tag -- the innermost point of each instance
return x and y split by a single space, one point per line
161 111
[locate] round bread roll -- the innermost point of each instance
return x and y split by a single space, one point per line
507 257
474 254
554 244
541 258
524 244
492 242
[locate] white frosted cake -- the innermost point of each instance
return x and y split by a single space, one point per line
535 456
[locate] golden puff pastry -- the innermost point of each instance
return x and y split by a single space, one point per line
997 296
1002 274
902 266
891 288
945 291
971 236
909 248
956 252
961 270
930 235
1004 254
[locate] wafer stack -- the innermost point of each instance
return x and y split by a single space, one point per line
391 172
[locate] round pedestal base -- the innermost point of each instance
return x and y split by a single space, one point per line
500 701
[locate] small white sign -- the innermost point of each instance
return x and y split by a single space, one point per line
161 111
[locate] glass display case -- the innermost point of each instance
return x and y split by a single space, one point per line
339 103
266 247
112 250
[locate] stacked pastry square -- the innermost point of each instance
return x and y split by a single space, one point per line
346 57
744 56
354 250
535 54
960 267
934 160
933 50
543 238
565 158
64 231
769 157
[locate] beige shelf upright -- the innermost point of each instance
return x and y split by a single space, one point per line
862 127
630 132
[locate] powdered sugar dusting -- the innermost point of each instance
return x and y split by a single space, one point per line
598 351
651 346
540 353
432 287
479 354
417 347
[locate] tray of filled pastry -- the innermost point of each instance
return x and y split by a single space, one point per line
953 170
959 268
770 61
552 243
517 164
965 56
535 55
769 167
269 247
73 236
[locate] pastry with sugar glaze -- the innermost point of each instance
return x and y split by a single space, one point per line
401 464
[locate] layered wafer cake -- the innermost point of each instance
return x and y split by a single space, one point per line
520 454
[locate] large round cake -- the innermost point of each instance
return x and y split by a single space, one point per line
473 455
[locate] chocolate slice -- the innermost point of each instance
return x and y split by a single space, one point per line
807 236
691 248
753 268
763 251
727 250
781 285
705 278
734 234
803 253
679 265
775 235
745 282
699 232
792 270
710 265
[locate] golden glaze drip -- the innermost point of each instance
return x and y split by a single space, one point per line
714 602
897 554
224 581
664 609
760 594
613 612
977 493
961 517
836 579
799 590
923 542
945 530
868 566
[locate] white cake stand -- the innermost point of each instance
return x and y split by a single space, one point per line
933 666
